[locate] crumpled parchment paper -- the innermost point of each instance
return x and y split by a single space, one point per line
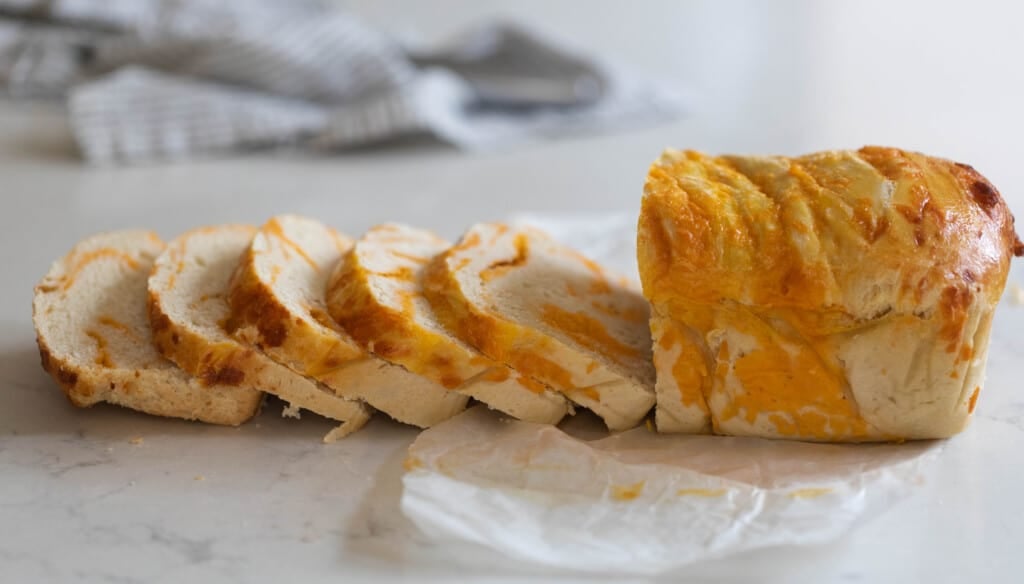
638 502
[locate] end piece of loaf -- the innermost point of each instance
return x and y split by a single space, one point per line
93 333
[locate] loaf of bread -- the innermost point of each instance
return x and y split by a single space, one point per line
838 296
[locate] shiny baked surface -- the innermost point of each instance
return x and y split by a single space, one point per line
767 275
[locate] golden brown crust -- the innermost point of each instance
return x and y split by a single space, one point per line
66 375
391 333
793 258
213 363
797 232
256 309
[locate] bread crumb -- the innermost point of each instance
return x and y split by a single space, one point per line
137 441
291 411
649 425
199 478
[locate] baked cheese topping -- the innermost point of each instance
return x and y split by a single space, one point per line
764 266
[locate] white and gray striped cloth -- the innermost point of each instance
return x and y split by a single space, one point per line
166 79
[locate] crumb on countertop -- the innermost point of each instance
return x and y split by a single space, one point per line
137 441
199 478
291 411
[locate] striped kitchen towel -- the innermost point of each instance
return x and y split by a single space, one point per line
171 79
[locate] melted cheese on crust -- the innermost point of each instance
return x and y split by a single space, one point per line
779 268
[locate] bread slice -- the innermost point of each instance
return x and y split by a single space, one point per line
278 305
89 313
377 296
188 310
524 300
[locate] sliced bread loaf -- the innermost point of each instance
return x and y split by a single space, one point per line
188 310
524 300
89 313
277 301
376 295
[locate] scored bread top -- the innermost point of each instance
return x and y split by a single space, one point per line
278 305
189 311
552 314
838 296
862 232
376 294
94 336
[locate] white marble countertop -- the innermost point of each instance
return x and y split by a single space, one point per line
107 495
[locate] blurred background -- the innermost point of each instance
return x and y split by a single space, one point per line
783 77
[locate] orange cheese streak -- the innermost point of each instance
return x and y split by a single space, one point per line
274 228
631 315
531 384
490 335
116 324
87 258
404 273
599 283
500 267
788 379
588 332
497 374
973 401
410 258
102 354
689 370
